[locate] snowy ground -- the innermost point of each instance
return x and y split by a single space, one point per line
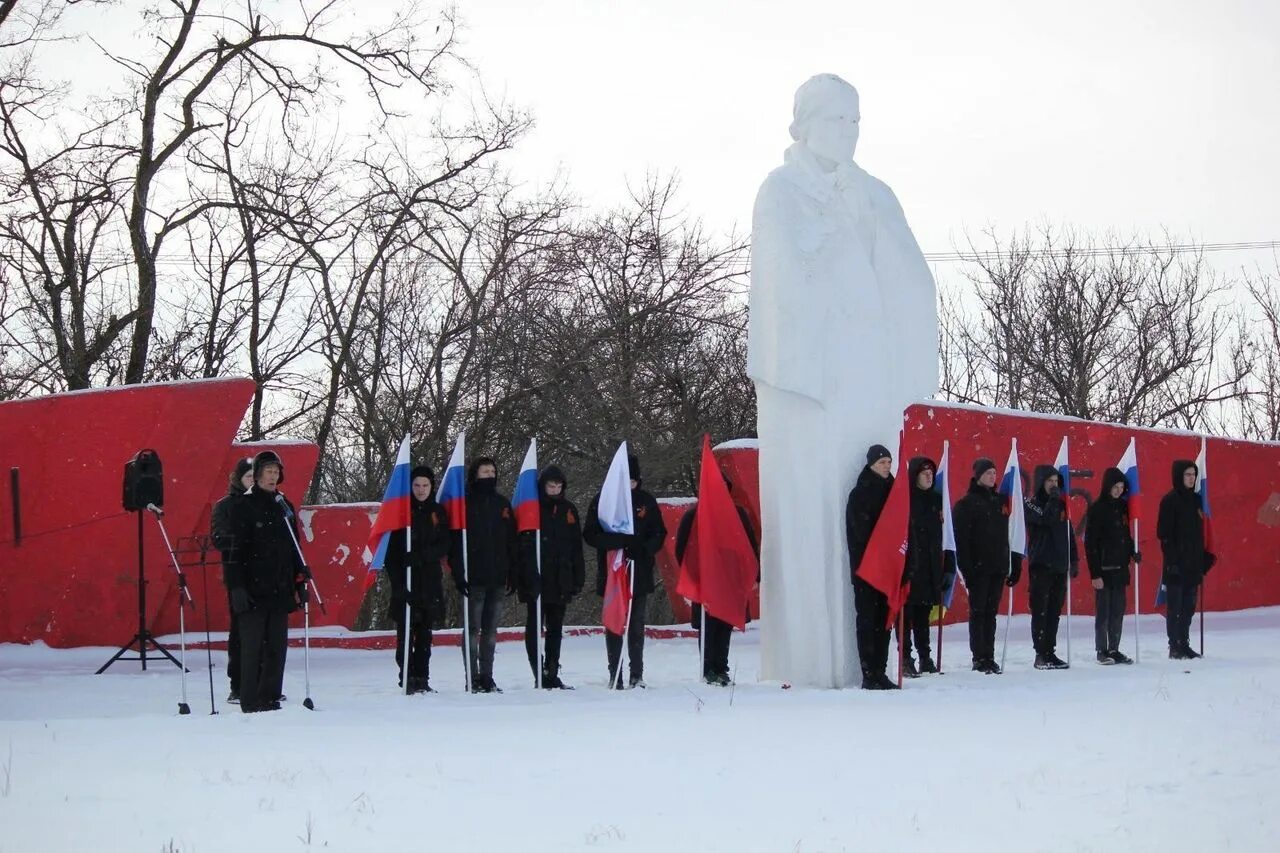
1160 756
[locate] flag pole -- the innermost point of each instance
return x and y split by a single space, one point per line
941 616
626 625
702 638
408 594
537 607
1137 599
1201 618
1067 503
901 625
466 614
1004 645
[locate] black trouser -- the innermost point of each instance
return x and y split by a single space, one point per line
482 607
264 641
419 642
233 653
715 660
1048 594
872 610
915 623
984 604
1180 607
1108 620
635 641
553 621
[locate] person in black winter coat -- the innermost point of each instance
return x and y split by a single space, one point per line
421 589
493 560
220 534
1108 548
925 567
871 606
1180 528
562 576
267 580
1051 554
641 549
982 554
715 669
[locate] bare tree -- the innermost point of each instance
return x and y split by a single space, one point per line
1130 334
203 49
1258 412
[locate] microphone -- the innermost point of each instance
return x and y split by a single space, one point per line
157 511
280 500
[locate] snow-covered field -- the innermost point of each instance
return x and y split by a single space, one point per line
1160 756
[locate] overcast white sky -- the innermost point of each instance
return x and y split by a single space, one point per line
1131 115
1110 115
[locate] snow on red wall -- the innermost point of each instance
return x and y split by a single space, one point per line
72 580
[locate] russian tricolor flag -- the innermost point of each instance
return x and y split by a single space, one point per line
1064 469
943 487
394 512
1202 489
1011 488
615 513
452 494
1128 465
525 499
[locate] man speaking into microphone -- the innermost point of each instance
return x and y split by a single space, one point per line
266 581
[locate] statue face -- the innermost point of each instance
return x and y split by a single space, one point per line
832 137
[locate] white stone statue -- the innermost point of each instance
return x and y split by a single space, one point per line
843 336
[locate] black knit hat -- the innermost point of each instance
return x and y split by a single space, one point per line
267 457
877 452
982 465
243 466
422 471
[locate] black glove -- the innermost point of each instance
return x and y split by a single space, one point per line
240 601
303 593
1137 556
464 588
1015 570
1210 560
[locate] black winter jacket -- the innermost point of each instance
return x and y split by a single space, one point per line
263 559
862 511
923 564
220 521
642 547
1051 538
563 567
493 554
982 533
1108 539
430 544
1181 531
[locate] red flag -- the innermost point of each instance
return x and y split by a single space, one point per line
883 561
719 567
617 592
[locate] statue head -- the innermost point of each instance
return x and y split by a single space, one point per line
825 119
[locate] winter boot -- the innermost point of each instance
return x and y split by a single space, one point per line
1106 659
1175 652
1188 652
927 666
233 698
886 683
1056 662
1119 657
637 681
1042 662
990 667
909 668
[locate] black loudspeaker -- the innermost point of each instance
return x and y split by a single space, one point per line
143 481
